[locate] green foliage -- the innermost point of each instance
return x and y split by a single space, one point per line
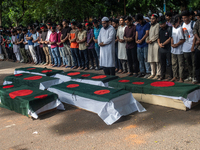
15 12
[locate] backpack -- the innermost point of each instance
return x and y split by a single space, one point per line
192 24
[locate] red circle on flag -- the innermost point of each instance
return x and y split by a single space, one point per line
41 96
99 77
73 85
8 86
138 83
45 71
102 92
124 81
85 75
31 68
17 75
73 73
162 84
20 93
33 78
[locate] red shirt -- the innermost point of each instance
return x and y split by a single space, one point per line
53 38
59 35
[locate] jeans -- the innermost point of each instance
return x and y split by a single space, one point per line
97 49
42 55
118 64
37 51
142 53
133 63
76 57
51 56
84 58
93 55
56 56
63 55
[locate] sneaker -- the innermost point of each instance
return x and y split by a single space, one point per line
146 76
194 81
188 79
91 68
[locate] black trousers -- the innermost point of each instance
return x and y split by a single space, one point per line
37 52
133 62
165 55
109 71
197 64
190 62
43 59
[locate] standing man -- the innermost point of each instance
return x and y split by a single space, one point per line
121 58
177 49
168 17
47 42
142 31
164 42
91 46
188 45
106 41
153 55
131 47
97 29
21 45
65 40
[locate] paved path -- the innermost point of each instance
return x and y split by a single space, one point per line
158 128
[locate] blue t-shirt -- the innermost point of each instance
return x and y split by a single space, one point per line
141 32
96 34
35 36
30 41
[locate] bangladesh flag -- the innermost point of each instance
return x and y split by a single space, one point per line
38 71
86 76
90 91
38 81
147 86
23 99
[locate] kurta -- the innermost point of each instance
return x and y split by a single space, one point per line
121 46
153 55
107 52
15 47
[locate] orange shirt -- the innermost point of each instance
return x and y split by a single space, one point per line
73 34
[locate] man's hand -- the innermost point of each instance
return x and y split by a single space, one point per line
161 45
139 41
197 42
95 40
192 49
86 44
174 45
101 44
121 41
58 43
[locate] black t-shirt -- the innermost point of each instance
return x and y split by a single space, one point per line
43 36
165 34
21 36
64 32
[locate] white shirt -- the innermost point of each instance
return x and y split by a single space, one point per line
107 52
48 36
177 35
188 34
121 46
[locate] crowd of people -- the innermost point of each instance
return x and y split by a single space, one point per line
134 45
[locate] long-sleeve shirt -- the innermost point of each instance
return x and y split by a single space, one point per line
107 52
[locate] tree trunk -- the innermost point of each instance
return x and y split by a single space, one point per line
0 12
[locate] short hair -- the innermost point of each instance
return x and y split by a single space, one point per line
31 28
122 17
162 19
37 28
80 26
74 23
192 12
64 20
53 27
95 21
139 17
115 21
185 13
168 14
60 24
129 18
19 29
111 19
175 19
24 29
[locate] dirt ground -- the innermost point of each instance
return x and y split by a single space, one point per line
158 128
